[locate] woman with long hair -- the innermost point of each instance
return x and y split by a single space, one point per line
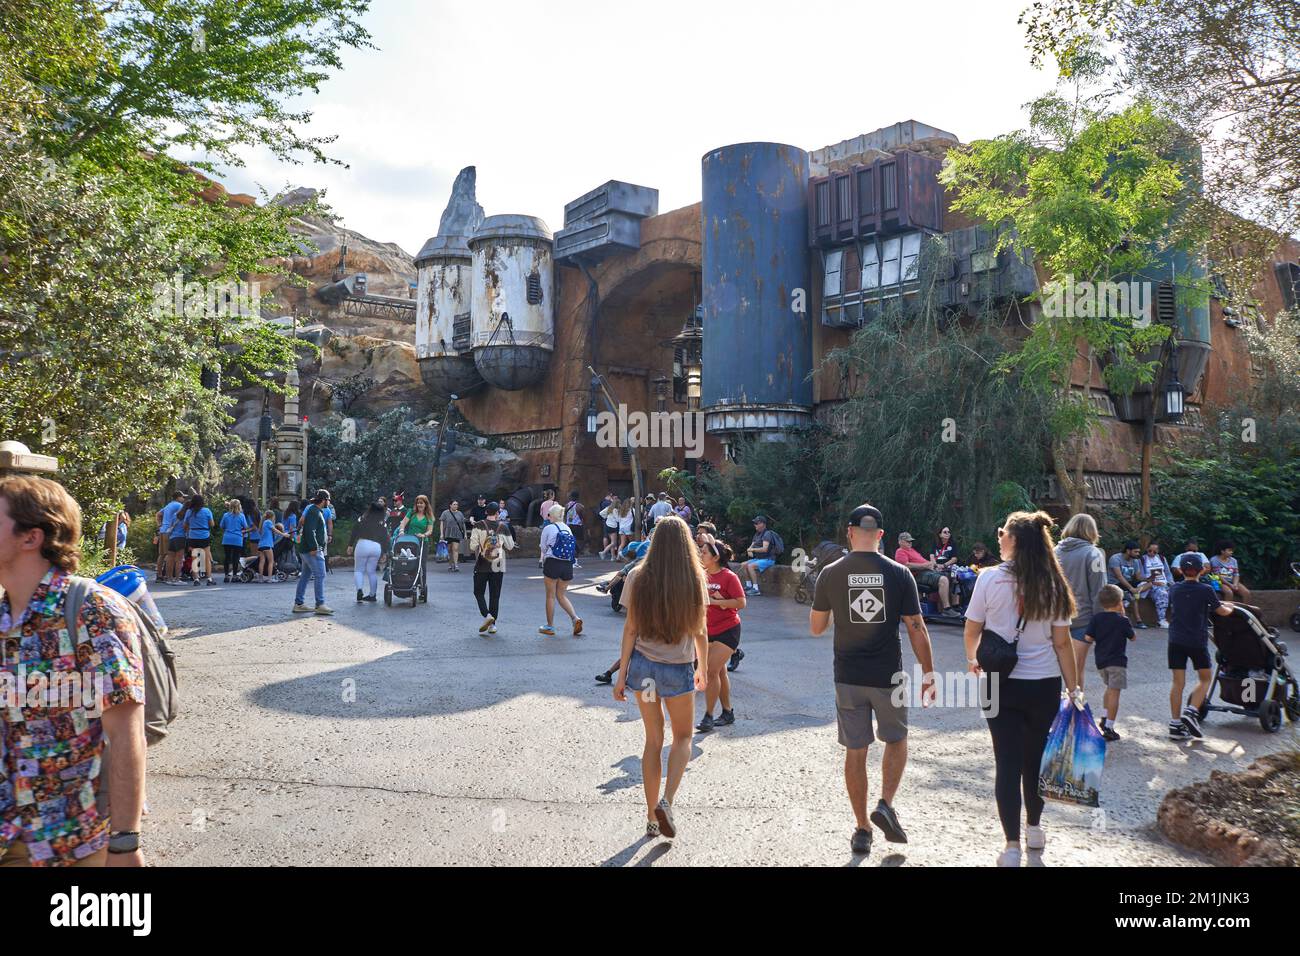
1025 598
626 518
266 547
198 536
726 600
419 522
666 631
610 513
234 529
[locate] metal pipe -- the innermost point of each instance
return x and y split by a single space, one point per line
631 447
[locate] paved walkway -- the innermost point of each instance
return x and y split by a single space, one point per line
401 736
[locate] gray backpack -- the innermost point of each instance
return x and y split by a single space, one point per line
161 697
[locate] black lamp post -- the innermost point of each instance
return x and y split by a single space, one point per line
592 414
661 391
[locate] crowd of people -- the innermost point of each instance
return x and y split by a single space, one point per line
1052 602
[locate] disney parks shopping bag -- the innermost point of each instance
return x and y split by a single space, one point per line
1073 758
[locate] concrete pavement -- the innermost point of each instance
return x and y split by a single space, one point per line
401 736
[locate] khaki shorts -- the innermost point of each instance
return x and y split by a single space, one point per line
854 706
1114 678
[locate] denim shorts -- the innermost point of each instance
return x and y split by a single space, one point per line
1078 632
661 680
762 564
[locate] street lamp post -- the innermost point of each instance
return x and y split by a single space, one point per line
598 384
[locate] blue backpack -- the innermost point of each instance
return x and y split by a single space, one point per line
565 546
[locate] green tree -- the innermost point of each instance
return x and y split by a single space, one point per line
1094 194
93 104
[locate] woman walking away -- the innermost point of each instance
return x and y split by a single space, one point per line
626 518
610 513
266 547
1084 567
665 632
198 536
489 544
1025 598
453 526
369 538
234 526
726 599
558 549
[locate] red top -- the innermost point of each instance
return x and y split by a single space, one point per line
725 585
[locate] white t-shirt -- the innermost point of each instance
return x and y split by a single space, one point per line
610 515
996 605
549 534
625 522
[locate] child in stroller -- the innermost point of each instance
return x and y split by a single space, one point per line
1252 674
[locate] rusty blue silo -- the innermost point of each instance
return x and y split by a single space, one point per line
757 343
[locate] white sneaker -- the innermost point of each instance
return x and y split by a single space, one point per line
487 623
1035 838
1164 624
492 629
1010 856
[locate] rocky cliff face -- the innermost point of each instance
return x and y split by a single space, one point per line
377 345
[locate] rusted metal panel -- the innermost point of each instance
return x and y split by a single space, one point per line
898 193
757 342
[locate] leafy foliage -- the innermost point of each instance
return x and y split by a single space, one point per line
391 454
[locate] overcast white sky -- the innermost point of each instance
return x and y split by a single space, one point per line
551 99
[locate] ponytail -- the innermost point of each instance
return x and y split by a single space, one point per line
1039 579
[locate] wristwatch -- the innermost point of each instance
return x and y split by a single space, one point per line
124 841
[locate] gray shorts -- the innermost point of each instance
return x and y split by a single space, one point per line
854 706
1114 678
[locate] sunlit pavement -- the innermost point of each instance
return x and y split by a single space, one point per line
399 735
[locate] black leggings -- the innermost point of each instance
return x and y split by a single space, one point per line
489 581
233 553
1026 709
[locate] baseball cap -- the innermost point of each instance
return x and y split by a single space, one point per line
761 518
905 537
865 516
1191 562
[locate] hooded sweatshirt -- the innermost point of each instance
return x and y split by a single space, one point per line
1085 568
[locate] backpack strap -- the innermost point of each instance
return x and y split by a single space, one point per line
78 589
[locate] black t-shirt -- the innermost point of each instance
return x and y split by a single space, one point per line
1190 604
478 514
1110 632
868 594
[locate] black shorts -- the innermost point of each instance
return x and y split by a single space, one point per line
557 570
730 637
176 544
1179 656
192 543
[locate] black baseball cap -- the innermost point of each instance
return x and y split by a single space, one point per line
866 517
1191 562
761 519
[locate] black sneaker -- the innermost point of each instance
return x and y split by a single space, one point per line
370 598
860 842
360 595
705 725
605 678
736 658
725 719
885 818
1108 734
1178 732
1193 723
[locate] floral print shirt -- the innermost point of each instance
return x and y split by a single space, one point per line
52 742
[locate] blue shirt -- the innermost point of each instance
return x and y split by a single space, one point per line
169 513
1190 605
290 523
178 525
233 525
268 535
200 524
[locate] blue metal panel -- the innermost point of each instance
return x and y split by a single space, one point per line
757 349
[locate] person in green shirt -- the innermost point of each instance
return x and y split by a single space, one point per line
419 520
311 545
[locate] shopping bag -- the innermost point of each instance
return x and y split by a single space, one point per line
1073 758
442 553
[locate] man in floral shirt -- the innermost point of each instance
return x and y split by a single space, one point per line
52 743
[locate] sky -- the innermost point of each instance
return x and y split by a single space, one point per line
550 100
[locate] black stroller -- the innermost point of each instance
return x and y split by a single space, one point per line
286 566
1251 673
404 576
